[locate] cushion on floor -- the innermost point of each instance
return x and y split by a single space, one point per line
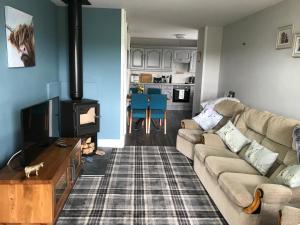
203 151
193 136
239 187
217 165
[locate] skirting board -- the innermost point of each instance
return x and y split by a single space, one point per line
112 143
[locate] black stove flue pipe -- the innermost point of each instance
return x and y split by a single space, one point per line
75 49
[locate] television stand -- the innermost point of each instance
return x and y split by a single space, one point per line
39 199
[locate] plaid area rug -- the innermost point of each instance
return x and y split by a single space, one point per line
142 186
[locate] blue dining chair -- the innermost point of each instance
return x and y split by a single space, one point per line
152 91
133 91
158 110
138 109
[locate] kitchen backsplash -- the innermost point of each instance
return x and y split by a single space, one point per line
176 78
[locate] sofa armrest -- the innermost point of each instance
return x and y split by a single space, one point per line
290 215
276 193
189 124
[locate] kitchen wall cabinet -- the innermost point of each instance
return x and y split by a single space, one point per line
167 63
182 56
153 59
137 58
162 59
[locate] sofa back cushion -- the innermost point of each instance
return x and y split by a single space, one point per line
279 138
253 124
271 131
228 108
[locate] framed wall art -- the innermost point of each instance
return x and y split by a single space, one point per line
19 38
296 49
285 37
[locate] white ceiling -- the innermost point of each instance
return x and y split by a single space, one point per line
164 18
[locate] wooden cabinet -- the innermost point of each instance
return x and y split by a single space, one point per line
137 58
167 62
182 56
153 59
39 199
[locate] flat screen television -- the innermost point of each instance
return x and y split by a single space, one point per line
40 126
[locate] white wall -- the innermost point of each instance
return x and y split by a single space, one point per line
211 62
262 76
198 73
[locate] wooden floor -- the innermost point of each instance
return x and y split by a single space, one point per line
96 165
156 137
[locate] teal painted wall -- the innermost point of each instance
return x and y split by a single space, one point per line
101 63
21 87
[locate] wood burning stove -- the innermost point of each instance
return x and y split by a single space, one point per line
80 118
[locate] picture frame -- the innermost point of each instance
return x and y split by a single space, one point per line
19 38
296 48
285 37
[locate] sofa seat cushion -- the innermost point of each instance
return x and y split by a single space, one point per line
213 140
240 187
216 165
193 136
203 151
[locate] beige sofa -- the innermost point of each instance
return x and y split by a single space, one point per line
241 193
289 216
191 132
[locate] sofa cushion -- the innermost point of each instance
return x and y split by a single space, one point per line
257 120
296 141
213 140
290 176
253 123
190 124
239 187
208 118
193 136
229 108
233 138
216 165
260 157
203 151
280 130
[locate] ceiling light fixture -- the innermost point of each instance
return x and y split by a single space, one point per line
180 36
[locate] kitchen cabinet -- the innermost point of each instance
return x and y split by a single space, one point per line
137 58
193 62
162 59
167 62
153 59
182 56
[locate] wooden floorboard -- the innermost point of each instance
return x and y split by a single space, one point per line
96 165
157 137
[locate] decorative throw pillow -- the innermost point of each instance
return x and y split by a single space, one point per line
296 141
208 118
290 176
260 157
232 137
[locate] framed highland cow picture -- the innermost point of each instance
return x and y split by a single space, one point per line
285 37
296 49
19 38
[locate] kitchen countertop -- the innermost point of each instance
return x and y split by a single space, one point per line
163 84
